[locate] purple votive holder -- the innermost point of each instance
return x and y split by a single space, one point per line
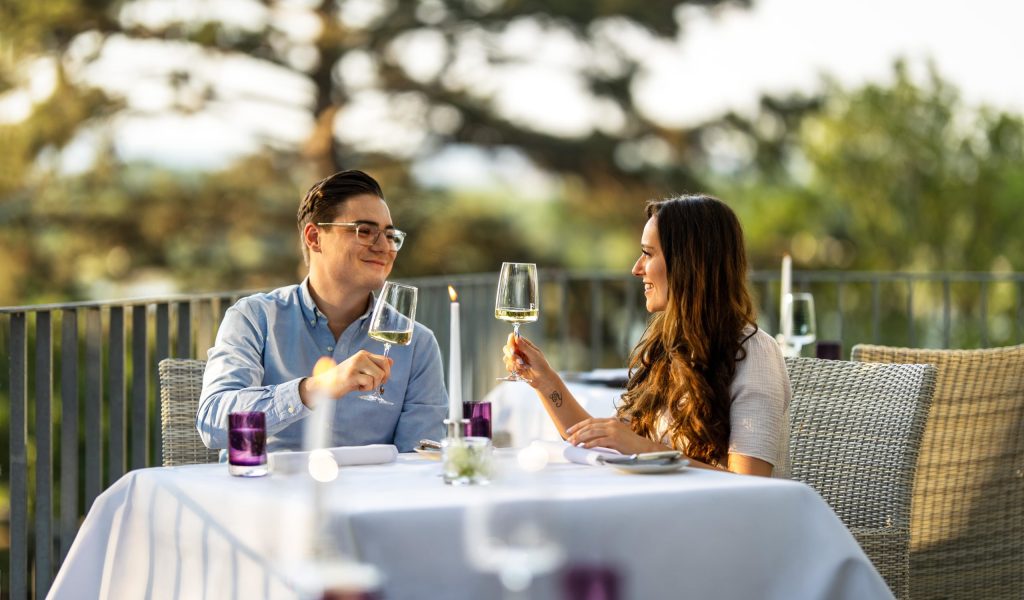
476 419
830 350
247 444
590 582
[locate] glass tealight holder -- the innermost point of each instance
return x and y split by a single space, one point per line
467 460
591 582
476 419
247 444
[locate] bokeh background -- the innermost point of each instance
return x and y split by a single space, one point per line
156 146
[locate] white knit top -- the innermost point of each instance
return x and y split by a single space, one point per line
759 405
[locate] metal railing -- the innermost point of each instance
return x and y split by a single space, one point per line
105 359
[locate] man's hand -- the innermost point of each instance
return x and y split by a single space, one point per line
362 371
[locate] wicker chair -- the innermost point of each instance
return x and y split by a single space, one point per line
967 513
181 381
855 433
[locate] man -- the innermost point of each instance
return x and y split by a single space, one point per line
268 343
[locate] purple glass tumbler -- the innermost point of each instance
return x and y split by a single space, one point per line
590 582
830 350
477 419
247 444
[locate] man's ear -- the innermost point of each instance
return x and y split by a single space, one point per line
311 237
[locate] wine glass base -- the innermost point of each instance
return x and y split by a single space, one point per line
376 398
513 378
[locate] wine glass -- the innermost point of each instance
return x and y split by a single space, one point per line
392 323
510 541
798 308
518 300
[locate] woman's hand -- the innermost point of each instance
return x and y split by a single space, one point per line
610 433
523 357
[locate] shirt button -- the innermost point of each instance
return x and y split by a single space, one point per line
312 321
330 348
291 410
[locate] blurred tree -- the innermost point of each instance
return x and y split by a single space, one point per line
437 70
903 176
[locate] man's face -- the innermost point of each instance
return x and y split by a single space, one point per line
344 257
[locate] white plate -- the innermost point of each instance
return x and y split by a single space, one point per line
431 453
651 469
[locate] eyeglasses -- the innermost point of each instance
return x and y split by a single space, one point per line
367 234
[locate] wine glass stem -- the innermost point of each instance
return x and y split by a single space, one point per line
515 329
380 391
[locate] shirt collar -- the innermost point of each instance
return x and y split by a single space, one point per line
312 314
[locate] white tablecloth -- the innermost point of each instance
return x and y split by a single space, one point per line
196 532
517 411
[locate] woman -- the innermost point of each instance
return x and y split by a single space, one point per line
703 379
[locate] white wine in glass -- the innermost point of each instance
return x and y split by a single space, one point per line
393 320
518 299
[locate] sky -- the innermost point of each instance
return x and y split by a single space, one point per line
722 61
784 45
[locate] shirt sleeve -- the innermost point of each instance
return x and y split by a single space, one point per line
233 381
426 399
760 403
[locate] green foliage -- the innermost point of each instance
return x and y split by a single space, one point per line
896 177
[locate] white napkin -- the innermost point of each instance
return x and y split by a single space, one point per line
286 461
564 452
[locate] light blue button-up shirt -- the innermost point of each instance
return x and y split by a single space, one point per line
269 342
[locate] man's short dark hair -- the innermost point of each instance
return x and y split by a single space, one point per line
323 199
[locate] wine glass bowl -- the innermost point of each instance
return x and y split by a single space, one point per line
798 309
517 300
393 321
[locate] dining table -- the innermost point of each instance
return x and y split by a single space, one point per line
197 532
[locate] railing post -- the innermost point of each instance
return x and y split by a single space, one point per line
93 406
116 394
19 462
44 452
946 311
140 389
876 301
983 306
184 329
596 310
564 320
68 430
161 351
839 310
1018 323
910 311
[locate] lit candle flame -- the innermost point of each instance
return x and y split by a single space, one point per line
323 365
452 294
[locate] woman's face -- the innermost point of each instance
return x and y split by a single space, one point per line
651 267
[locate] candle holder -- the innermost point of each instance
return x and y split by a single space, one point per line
477 419
454 428
466 460
247 444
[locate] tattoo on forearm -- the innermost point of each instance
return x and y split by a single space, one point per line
556 399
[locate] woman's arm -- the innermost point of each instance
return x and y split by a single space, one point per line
526 359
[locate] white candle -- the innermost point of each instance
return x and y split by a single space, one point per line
454 362
787 284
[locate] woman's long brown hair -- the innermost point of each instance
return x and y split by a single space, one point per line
686 360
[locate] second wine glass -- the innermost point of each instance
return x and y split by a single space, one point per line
518 300
393 321
802 329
